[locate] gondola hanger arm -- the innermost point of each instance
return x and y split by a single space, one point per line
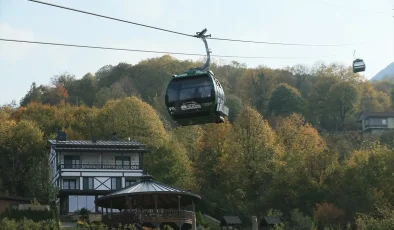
203 37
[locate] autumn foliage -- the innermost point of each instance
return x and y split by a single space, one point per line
300 158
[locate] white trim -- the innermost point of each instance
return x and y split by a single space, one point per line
101 170
133 174
102 174
71 174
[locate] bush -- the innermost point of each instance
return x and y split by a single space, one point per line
301 221
26 224
29 214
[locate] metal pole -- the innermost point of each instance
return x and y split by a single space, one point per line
179 211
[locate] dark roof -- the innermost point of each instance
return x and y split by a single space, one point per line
88 145
230 220
270 220
15 198
143 192
364 115
211 220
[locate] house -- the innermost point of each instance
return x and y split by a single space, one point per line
376 122
12 202
84 170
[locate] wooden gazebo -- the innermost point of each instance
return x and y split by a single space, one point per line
150 203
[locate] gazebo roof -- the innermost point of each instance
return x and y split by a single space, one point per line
143 193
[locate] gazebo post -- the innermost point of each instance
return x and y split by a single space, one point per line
111 213
179 211
155 196
194 222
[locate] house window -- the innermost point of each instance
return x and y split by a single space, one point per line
129 182
116 183
88 183
384 121
70 184
71 162
78 202
122 162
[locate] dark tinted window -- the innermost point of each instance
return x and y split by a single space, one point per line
189 88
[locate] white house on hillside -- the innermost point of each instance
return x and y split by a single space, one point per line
376 122
85 170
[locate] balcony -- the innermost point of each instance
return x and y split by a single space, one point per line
149 216
99 166
376 126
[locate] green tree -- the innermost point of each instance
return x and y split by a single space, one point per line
109 93
256 86
234 104
22 147
169 164
286 100
319 107
189 137
33 95
83 91
343 98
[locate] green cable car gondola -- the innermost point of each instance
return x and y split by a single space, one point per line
358 64
196 97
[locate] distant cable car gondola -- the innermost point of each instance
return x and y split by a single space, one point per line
358 64
196 97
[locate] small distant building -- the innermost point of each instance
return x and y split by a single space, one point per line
85 170
376 122
268 222
233 222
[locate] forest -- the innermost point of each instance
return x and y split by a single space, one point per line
291 145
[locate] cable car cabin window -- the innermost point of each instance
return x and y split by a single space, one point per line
358 64
190 88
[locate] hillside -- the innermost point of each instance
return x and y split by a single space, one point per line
385 74
147 80
290 147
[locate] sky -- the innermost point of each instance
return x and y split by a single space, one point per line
367 25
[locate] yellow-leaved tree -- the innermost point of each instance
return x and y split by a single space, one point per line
131 117
251 162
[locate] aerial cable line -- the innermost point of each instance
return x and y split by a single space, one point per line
107 17
188 35
150 51
277 43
